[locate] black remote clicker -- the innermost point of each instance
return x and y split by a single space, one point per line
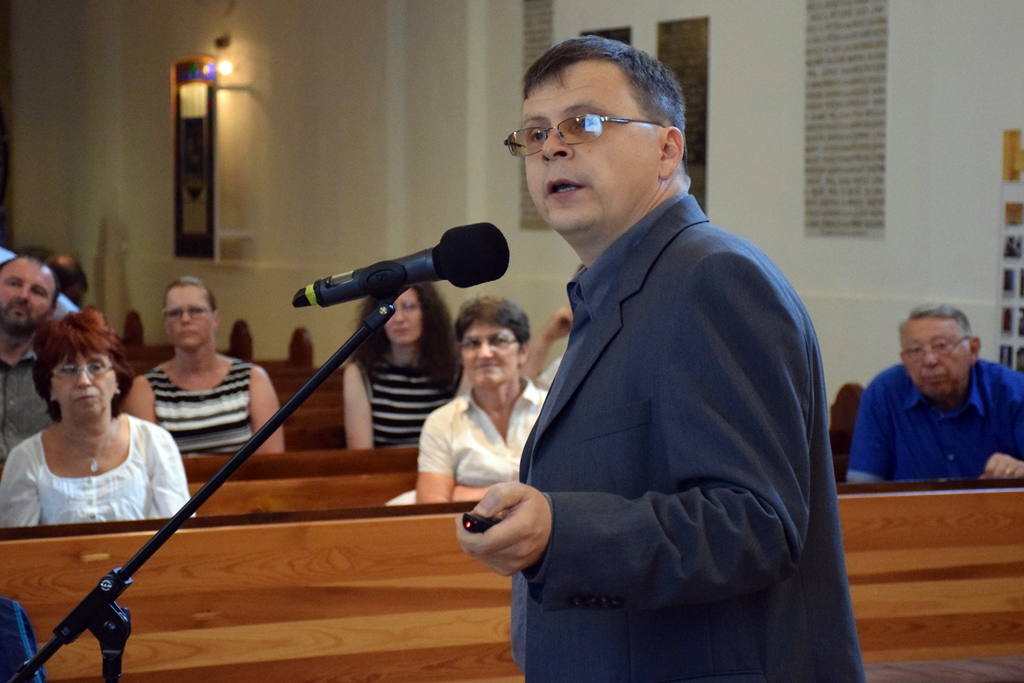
476 524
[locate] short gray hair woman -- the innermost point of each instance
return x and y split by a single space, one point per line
477 439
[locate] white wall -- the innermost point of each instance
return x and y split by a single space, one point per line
372 127
366 130
955 82
93 146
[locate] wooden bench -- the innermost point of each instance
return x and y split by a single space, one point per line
315 428
306 493
933 575
315 480
936 574
312 463
842 418
330 599
288 379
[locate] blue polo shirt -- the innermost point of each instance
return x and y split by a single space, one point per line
900 435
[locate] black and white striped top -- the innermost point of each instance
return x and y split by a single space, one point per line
400 400
205 421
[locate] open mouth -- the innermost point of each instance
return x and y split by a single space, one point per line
559 187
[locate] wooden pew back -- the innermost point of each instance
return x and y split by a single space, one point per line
311 463
842 417
936 575
342 599
313 480
933 575
306 493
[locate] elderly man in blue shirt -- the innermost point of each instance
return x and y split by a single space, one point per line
943 413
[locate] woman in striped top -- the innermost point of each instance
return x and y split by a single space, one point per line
402 372
208 402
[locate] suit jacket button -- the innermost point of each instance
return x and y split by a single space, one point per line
617 602
603 601
591 601
576 600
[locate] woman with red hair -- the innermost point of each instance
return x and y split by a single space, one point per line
94 463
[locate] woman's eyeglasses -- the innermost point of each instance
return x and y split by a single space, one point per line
92 369
499 342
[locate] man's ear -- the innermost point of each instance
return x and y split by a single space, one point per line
672 149
975 346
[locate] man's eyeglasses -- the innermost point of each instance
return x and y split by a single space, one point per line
93 369
499 342
940 347
573 131
193 312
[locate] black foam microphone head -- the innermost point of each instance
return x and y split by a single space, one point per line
471 255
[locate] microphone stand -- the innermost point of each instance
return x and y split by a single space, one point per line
111 623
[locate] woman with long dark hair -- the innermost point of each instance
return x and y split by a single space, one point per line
402 373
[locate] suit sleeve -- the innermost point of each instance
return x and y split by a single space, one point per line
717 424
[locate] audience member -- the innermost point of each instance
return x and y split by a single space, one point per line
557 326
64 304
477 439
28 290
943 413
73 283
402 373
676 515
208 402
93 464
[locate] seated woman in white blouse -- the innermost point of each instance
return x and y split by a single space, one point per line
477 439
94 463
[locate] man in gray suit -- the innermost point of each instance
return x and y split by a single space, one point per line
676 517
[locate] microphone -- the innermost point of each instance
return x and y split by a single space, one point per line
466 256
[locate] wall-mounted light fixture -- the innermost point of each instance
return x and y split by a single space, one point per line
224 66
194 108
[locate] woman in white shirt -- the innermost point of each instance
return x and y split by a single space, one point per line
94 463
477 439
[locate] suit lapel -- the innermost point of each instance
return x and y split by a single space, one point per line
608 318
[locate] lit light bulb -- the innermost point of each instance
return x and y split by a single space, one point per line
225 67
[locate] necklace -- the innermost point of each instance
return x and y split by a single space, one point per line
95 466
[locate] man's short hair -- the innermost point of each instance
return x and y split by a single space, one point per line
69 269
493 310
655 87
938 311
42 265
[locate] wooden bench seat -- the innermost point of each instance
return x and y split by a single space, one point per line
323 397
314 480
936 574
306 493
337 595
287 383
312 463
339 599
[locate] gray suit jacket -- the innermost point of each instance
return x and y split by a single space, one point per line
695 525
